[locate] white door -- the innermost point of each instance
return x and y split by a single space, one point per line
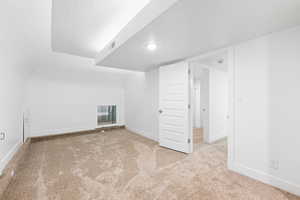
174 113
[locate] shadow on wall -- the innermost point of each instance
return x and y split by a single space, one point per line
141 104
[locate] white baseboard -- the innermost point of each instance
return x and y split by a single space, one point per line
59 131
214 140
9 156
110 125
217 138
265 178
63 131
142 133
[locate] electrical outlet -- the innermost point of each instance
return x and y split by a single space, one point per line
274 164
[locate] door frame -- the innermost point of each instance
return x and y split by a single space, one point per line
231 98
26 125
192 107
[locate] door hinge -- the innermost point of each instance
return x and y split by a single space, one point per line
189 71
189 141
189 106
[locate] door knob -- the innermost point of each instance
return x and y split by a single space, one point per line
160 111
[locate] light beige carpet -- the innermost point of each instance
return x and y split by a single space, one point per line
198 138
119 165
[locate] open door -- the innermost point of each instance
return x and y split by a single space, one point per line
174 105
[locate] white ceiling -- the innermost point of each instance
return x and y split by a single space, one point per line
149 13
192 27
84 27
218 61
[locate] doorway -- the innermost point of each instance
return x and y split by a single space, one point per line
196 102
210 99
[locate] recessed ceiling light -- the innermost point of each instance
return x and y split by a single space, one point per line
151 46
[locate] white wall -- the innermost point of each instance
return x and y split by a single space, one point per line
12 81
197 105
204 103
15 65
267 139
213 102
58 79
141 104
64 99
218 104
